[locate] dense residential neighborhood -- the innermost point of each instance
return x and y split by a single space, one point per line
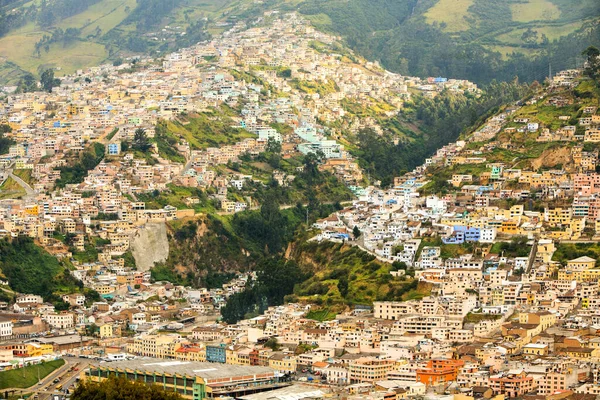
497 232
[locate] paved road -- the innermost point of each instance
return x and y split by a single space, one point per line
68 375
28 189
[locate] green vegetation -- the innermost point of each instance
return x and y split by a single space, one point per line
517 247
441 120
323 314
275 279
311 87
175 196
480 40
339 274
112 134
28 376
5 142
80 164
166 143
569 251
11 189
122 389
30 269
210 129
473 318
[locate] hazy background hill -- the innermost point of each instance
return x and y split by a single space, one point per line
480 40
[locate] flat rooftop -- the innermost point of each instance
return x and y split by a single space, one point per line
204 370
294 392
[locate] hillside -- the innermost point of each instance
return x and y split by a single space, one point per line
556 143
28 268
480 40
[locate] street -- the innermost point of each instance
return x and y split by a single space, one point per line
67 375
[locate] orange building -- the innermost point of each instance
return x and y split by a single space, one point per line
438 371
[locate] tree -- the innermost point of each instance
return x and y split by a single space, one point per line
356 232
343 286
399 265
272 344
5 142
592 67
27 84
140 141
48 81
122 389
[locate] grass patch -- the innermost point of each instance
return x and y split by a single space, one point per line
10 189
28 376
24 174
517 247
321 19
473 318
205 130
346 275
19 48
422 290
324 314
534 10
453 13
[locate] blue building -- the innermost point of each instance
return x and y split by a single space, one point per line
113 149
216 354
463 234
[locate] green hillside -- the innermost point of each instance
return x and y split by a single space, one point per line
30 269
480 40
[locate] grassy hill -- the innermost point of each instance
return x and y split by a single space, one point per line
479 40
30 269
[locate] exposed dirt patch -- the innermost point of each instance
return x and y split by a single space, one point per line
559 156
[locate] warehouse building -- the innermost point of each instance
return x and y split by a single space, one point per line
193 380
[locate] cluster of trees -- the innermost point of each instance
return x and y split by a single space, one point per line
276 278
406 43
58 35
270 228
12 17
30 269
77 171
272 154
592 67
141 141
149 13
517 247
166 143
51 11
441 120
28 82
5 142
48 81
121 389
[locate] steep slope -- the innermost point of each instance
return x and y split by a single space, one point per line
479 40
28 268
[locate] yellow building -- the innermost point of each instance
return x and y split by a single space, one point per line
558 216
544 319
39 349
283 362
106 331
581 269
537 349
581 263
